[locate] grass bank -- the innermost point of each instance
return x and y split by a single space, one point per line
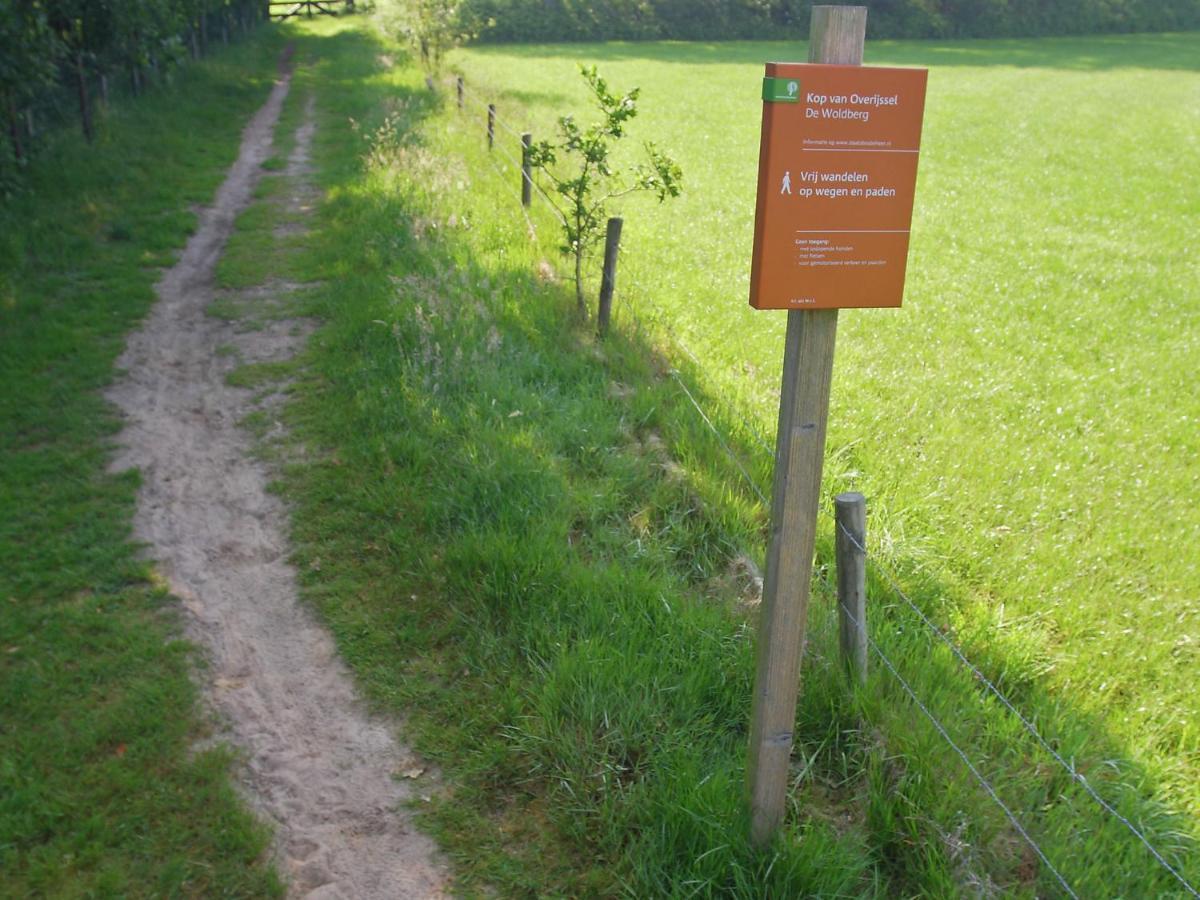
102 792
529 541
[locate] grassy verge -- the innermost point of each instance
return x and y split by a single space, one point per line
528 542
101 791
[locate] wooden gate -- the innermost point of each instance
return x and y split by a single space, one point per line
285 9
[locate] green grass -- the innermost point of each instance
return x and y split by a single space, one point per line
530 542
1026 428
103 791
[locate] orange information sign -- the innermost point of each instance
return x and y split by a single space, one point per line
837 172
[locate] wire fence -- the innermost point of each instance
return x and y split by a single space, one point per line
724 442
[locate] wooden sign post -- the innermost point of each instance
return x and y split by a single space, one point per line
821 242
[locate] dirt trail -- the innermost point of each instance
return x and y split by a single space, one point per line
317 767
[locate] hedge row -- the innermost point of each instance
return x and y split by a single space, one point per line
515 21
51 48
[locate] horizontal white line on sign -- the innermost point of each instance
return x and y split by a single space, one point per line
854 231
852 150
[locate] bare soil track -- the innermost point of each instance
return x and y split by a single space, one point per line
319 769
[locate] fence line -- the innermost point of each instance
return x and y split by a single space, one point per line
1068 767
496 165
475 98
724 446
984 783
471 95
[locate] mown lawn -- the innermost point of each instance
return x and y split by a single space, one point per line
528 540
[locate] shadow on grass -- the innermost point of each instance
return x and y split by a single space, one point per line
528 542
1098 53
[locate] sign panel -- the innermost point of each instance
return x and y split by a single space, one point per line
836 175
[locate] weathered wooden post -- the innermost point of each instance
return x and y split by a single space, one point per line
491 126
526 169
837 174
836 35
851 513
458 85
608 281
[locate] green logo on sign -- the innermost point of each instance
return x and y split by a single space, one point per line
781 90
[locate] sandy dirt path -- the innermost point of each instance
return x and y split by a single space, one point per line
317 767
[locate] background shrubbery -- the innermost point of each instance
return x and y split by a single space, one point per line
57 57
575 20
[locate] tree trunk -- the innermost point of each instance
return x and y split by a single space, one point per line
580 303
85 100
14 130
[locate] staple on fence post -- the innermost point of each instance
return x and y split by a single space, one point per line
491 125
526 170
612 243
458 84
851 515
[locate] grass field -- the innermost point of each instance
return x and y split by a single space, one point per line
530 541
1026 428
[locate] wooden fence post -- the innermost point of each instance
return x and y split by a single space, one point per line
491 125
851 513
608 281
526 170
458 85
836 35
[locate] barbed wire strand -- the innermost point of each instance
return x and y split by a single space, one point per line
724 446
991 791
1029 726
484 104
750 429
497 166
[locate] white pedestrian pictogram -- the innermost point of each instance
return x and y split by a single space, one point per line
787 183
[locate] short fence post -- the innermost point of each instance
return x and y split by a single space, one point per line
429 82
491 125
851 514
526 170
458 84
612 243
